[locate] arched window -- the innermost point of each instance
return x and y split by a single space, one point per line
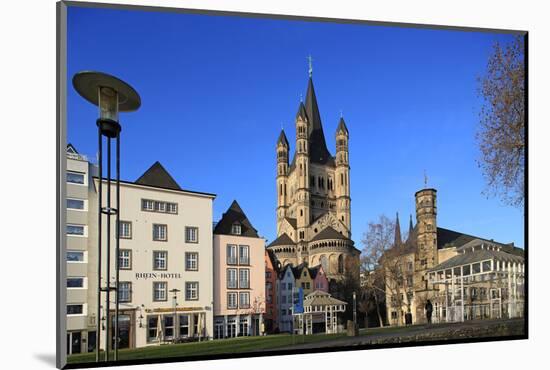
324 262
341 264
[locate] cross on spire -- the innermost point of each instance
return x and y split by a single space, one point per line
310 63
425 179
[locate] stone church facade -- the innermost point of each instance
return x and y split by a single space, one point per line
313 195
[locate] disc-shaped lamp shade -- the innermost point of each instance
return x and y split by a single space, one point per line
109 93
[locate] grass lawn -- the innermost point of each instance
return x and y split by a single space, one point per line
221 346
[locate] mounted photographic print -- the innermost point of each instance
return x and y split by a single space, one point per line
235 185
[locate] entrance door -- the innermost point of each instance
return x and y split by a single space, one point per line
124 329
74 342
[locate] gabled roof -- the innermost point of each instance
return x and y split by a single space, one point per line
157 176
342 126
283 239
329 233
320 298
313 271
71 149
235 214
292 221
318 152
282 272
297 271
282 139
273 260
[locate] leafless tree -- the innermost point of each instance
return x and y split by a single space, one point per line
501 133
384 267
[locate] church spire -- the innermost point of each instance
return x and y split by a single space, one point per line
397 239
411 224
317 144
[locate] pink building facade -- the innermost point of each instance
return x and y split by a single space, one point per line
239 276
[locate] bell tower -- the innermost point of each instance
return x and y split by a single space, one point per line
342 188
426 235
282 177
302 176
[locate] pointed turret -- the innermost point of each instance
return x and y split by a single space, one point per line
301 114
397 238
282 139
411 227
342 127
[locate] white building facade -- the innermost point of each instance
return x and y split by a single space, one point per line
166 261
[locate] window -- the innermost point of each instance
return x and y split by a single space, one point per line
75 309
231 254
232 278
283 312
191 261
466 270
75 282
308 285
191 290
75 204
159 206
184 325
289 286
147 205
159 232
125 291
243 255
160 259
172 208
77 230
75 177
244 278
236 229
75 256
125 259
159 291
409 266
152 328
232 300
125 229
283 299
168 323
191 234
244 300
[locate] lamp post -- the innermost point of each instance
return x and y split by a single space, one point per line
112 96
354 311
175 291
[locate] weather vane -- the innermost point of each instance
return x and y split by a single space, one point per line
310 62
301 98
341 114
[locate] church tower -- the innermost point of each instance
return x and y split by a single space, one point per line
426 236
302 176
313 195
343 200
282 176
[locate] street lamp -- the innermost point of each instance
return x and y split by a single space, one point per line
112 96
175 291
354 311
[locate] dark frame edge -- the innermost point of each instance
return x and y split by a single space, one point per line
61 165
290 17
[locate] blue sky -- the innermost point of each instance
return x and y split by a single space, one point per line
216 90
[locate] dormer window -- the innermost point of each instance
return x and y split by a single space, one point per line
236 229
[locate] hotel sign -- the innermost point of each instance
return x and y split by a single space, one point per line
170 310
157 275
